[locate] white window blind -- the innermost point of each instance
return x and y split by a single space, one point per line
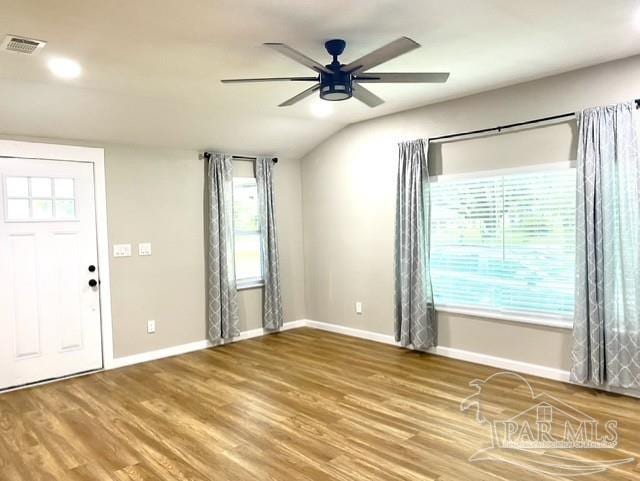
247 231
505 243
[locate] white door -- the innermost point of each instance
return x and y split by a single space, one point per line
49 291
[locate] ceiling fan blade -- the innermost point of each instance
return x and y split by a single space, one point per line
366 96
381 55
302 95
393 78
272 79
298 57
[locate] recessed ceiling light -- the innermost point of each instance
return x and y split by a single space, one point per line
321 109
65 68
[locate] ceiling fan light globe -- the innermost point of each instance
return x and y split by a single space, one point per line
335 92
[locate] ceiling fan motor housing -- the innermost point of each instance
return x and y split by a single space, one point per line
335 86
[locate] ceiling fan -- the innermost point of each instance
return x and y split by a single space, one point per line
337 81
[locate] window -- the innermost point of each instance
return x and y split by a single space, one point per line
505 243
39 199
248 255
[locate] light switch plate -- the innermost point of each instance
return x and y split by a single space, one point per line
144 249
121 250
151 327
358 307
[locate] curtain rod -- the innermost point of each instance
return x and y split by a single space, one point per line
500 128
207 155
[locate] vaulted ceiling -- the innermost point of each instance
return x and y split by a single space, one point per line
152 68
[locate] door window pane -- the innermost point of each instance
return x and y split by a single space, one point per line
17 187
40 187
42 208
17 209
65 209
63 188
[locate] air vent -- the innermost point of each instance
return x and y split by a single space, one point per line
23 45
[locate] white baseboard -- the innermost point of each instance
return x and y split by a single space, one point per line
350 331
453 353
502 363
158 354
450 352
192 346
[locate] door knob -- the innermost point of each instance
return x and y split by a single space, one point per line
93 282
92 268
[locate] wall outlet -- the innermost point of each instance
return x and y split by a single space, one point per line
358 307
144 249
121 250
151 327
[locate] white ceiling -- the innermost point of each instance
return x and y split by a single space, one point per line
152 67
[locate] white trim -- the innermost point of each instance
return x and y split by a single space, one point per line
193 346
37 150
103 260
353 332
527 169
450 352
556 322
159 354
502 363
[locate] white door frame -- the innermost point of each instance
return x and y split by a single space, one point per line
36 150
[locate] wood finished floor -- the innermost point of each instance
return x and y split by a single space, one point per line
302 405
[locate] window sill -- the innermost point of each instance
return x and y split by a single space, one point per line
243 286
557 323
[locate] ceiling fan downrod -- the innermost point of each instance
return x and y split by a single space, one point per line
337 85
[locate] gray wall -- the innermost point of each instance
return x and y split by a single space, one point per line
349 200
156 195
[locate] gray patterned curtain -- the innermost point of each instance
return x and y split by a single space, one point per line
272 318
606 331
415 322
222 305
